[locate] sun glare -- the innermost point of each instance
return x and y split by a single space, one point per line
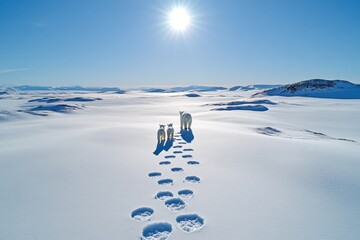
179 19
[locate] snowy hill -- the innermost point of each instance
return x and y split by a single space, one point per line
318 88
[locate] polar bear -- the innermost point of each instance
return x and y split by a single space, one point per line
185 120
161 133
170 132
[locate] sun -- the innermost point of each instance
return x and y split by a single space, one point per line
179 19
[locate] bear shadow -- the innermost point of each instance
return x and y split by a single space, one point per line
159 147
187 135
168 144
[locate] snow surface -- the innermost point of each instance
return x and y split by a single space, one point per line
292 172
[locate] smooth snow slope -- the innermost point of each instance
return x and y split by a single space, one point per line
81 174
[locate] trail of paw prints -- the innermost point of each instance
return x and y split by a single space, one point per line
172 201
187 222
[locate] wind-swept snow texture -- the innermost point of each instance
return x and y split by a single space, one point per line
291 172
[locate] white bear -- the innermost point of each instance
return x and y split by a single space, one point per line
170 131
161 133
185 120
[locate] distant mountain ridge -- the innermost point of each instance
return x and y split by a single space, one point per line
318 88
191 88
196 88
69 88
253 87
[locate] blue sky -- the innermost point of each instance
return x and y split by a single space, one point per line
128 43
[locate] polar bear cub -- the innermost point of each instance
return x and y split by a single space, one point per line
161 133
170 131
185 120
